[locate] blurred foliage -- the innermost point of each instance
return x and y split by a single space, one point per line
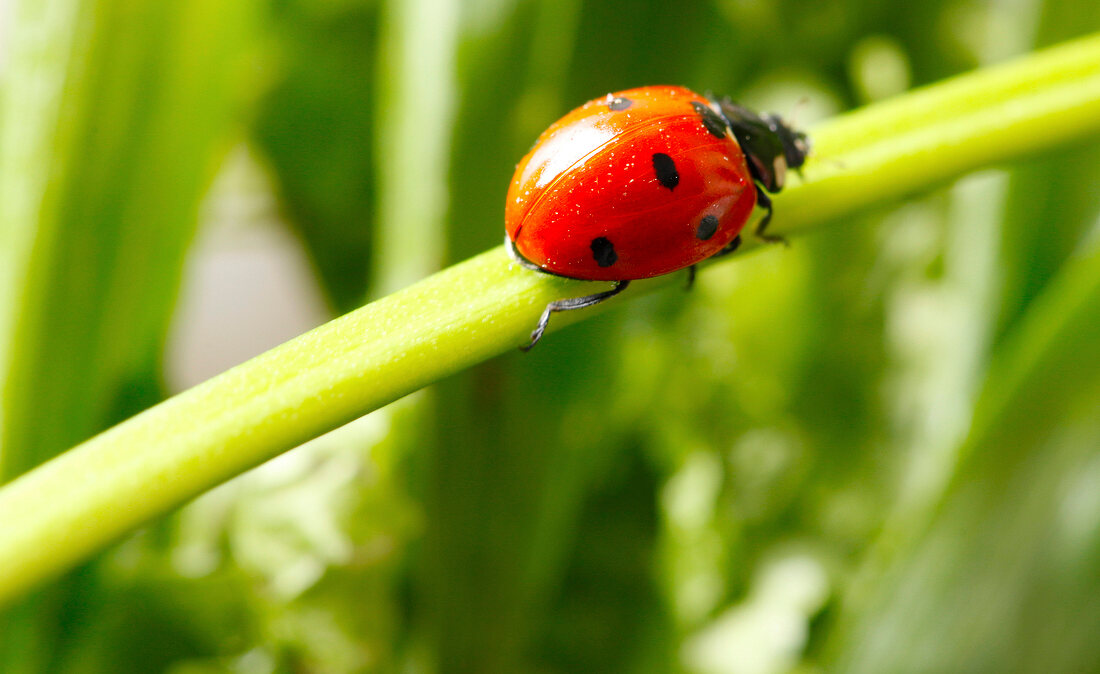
872 451
314 127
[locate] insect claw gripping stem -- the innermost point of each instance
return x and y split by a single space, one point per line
764 201
730 247
569 304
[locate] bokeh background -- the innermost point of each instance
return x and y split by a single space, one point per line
772 473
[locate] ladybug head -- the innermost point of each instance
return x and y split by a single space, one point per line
770 145
795 144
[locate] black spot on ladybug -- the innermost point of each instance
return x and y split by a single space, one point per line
617 104
603 251
666 170
711 120
707 227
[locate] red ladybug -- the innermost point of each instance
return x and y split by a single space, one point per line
641 183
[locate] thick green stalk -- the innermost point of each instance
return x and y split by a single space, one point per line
66 509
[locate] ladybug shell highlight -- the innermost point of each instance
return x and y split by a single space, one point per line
635 184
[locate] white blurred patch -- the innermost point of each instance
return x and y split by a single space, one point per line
287 520
247 286
767 632
1079 512
938 329
690 494
689 500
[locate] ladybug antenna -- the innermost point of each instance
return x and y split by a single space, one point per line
798 107
800 140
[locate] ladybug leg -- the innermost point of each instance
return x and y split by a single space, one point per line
730 247
569 304
764 201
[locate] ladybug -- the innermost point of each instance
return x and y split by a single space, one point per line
641 183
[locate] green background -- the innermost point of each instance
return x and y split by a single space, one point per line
873 451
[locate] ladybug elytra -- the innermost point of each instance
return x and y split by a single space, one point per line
641 183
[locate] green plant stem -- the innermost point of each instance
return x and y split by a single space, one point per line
66 509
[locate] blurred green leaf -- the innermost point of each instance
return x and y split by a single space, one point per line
116 115
1015 536
317 129
998 571
102 200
